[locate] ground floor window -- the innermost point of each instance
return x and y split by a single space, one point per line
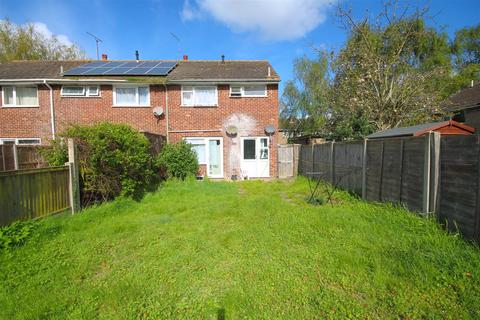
21 141
209 152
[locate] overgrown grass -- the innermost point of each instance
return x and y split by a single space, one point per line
208 250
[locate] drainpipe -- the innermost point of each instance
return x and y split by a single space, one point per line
52 113
166 111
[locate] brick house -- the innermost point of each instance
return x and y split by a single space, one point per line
228 110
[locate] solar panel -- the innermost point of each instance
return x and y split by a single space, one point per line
155 68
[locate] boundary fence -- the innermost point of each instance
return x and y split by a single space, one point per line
431 174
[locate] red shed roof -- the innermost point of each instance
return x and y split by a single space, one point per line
445 127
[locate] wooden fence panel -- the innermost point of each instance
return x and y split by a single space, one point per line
29 157
458 204
391 187
348 164
413 173
27 194
8 157
322 154
374 170
305 161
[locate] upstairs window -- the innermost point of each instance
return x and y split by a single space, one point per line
20 96
248 91
131 96
80 91
199 96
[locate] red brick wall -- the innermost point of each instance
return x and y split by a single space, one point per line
256 113
27 122
263 110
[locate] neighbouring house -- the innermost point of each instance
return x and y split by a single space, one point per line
465 105
450 127
228 110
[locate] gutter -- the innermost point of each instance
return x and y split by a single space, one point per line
55 81
52 111
224 80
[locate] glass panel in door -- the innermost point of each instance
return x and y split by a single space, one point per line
249 149
214 158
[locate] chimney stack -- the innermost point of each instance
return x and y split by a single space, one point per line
137 56
185 57
223 58
104 57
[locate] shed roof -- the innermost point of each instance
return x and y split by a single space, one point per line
419 129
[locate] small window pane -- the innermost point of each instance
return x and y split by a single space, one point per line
27 96
257 91
28 141
248 149
263 153
143 96
187 98
236 91
93 91
263 142
198 145
73 91
126 96
8 95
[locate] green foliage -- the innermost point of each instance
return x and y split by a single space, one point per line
305 99
114 159
23 42
178 160
254 249
16 234
56 154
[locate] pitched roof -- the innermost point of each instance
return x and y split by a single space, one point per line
195 70
228 70
418 130
464 99
38 69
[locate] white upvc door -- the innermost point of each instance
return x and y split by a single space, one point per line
214 157
255 162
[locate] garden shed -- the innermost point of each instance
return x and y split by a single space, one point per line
449 127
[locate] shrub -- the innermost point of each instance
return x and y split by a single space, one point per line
56 154
15 234
178 160
114 159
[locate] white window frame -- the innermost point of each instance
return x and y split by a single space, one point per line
242 90
115 104
85 93
16 140
15 105
207 154
193 95
203 142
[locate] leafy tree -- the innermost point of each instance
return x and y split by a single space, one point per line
390 73
466 51
23 42
304 107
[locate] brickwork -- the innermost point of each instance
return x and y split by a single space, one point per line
252 115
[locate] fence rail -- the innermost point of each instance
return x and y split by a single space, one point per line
428 174
27 194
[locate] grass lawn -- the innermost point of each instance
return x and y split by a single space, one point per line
214 250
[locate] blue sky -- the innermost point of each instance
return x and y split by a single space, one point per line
275 30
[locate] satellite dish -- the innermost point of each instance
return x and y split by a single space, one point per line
158 111
270 129
232 130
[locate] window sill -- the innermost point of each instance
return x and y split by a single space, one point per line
81 97
130 106
239 97
34 106
212 106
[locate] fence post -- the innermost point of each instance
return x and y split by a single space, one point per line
332 159
364 170
426 174
74 178
434 170
15 157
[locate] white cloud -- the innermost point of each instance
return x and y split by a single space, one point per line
273 20
42 28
